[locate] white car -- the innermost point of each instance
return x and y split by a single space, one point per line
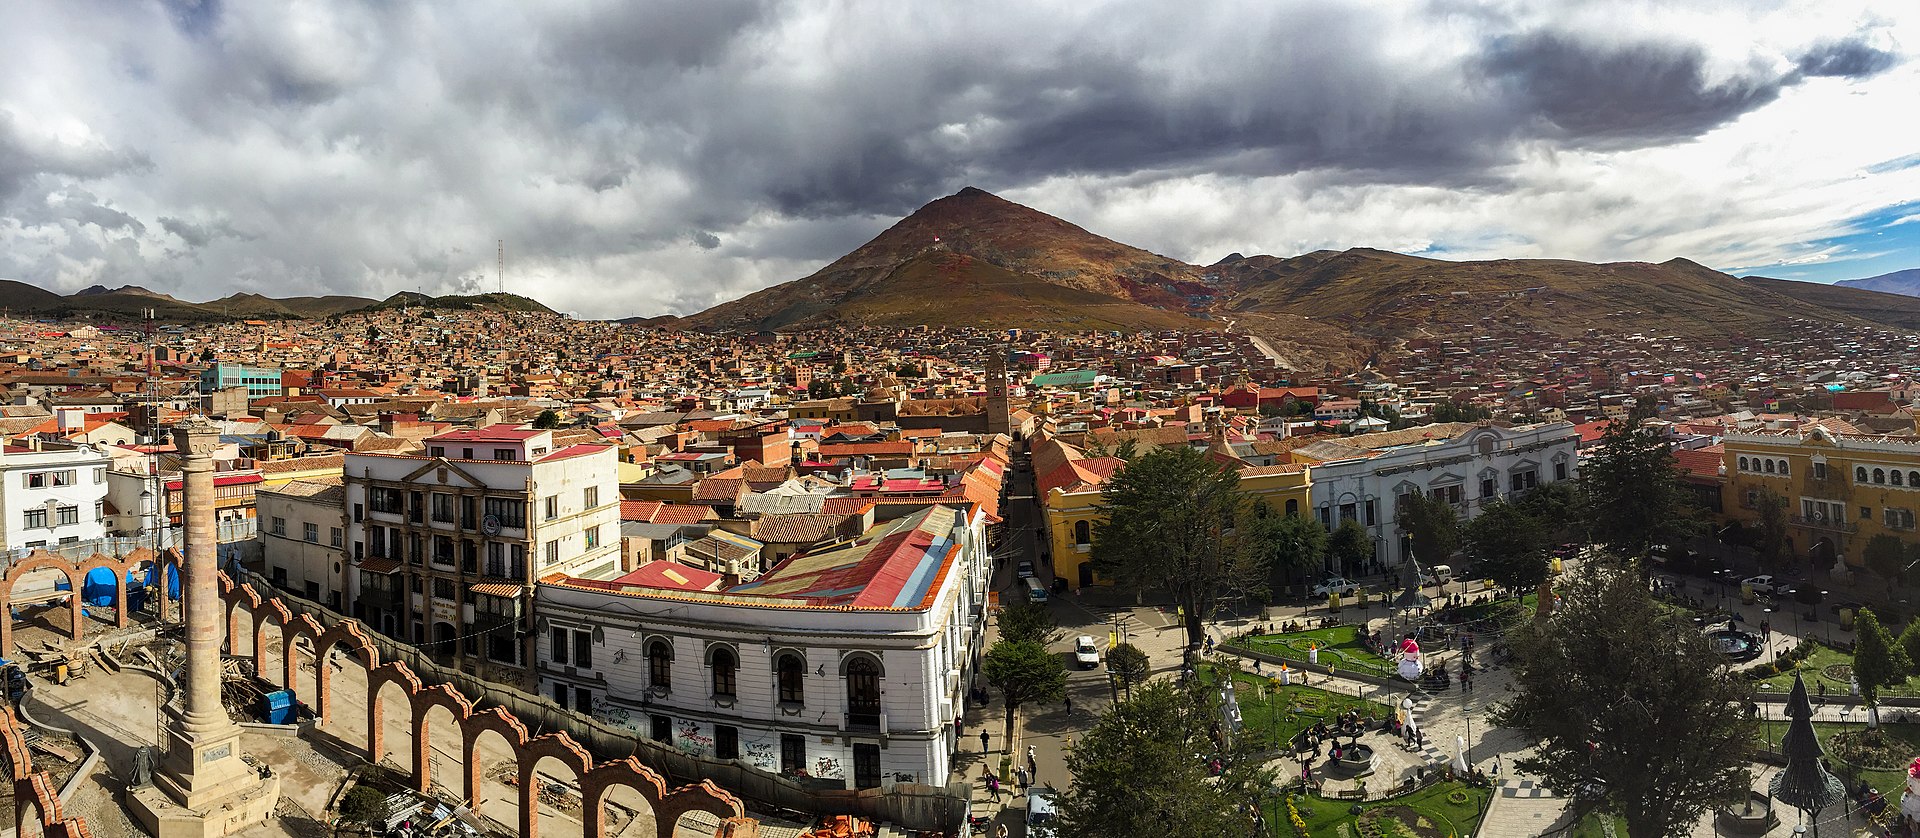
1761 584
1085 653
1024 570
1336 585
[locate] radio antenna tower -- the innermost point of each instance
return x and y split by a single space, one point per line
500 266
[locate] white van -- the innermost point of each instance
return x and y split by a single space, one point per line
1036 590
1440 575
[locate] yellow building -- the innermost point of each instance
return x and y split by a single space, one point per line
1069 482
1841 488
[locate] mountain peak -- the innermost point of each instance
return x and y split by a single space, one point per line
974 192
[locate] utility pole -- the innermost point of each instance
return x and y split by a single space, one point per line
500 266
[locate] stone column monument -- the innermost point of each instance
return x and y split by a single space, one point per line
204 788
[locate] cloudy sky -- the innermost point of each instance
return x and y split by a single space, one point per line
649 157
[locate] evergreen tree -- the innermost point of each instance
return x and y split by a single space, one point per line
1135 772
1129 666
547 420
1509 546
1350 547
1630 702
1885 556
1024 620
1168 525
1878 662
1433 526
1631 494
1287 544
1026 673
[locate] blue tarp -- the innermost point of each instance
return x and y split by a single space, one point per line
100 587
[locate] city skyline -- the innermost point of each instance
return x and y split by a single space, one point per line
641 162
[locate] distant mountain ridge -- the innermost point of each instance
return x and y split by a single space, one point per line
1905 282
974 259
131 302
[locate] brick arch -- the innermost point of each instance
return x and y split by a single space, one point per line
236 597
346 635
18 755
274 611
703 796
291 631
438 695
560 746
38 560
38 793
497 720
120 567
377 678
607 776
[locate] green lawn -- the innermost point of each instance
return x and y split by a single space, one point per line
1332 818
1813 669
1273 718
1339 646
1590 826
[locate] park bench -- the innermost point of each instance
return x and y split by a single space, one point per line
1352 794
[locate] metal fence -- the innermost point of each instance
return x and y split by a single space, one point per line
230 532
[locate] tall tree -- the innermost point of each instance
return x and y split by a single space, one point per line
1629 699
1433 526
1886 556
1350 546
1556 506
1878 662
1129 666
1289 545
1169 524
1027 620
1026 673
1509 546
1772 537
1135 773
547 420
1631 494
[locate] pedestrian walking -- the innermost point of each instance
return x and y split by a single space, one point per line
1069 701
1033 766
983 741
993 787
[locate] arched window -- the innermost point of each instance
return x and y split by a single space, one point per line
1293 508
1894 477
863 691
660 665
1879 476
725 671
1082 532
791 673
1769 466
1913 479
1784 464
1859 474
1743 464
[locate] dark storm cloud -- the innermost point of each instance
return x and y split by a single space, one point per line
1638 92
1852 58
631 148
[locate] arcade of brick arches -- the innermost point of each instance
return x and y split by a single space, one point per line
37 798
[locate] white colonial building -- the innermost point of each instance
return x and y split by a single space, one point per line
1363 478
446 546
847 662
52 494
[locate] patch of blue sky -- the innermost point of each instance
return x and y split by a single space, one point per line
1879 242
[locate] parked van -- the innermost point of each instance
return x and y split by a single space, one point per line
1441 574
1036 591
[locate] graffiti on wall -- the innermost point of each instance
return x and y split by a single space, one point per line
828 768
760 755
692 740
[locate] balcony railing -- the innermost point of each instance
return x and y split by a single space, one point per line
863 720
1823 523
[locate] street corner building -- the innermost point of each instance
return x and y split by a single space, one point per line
847 663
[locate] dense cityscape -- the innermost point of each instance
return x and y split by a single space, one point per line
730 419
